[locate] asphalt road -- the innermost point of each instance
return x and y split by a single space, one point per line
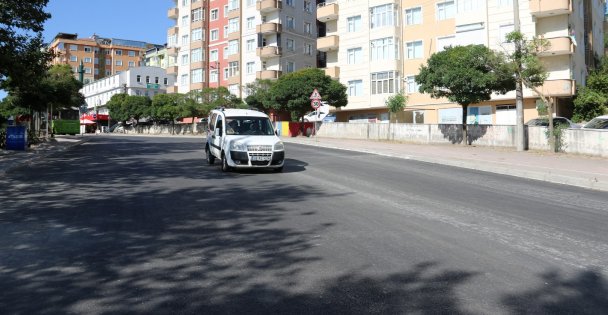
142 225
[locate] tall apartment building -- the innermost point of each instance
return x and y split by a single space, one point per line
376 49
101 57
232 43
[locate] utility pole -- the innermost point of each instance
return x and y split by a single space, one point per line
519 93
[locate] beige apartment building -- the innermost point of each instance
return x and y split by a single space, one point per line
101 57
376 47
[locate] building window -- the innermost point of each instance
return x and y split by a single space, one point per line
444 42
87 49
355 88
215 34
233 25
88 70
185 20
354 56
233 47
250 23
156 80
185 59
412 86
197 75
73 58
73 47
225 10
131 64
307 6
354 24
290 66
233 5
119 62
290 44
213 77
197 34
96 61
250 3
184 79
504 3
384 82
307 28
108 62
165 81
383 15
214 14
413 16
503 30
147 79
289 2
185 39
225 31
197 14
225 52
88 60
196 55
384 49
414 50
118 52
250 45
445 10
138 78
213 55
250 66
233 68
96 71
289 22
131 53
468 5
308 49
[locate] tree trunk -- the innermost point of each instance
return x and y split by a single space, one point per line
552 136
465 140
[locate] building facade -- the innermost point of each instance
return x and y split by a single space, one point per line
232 43
100 57
376 49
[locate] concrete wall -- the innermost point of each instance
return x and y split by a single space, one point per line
177 129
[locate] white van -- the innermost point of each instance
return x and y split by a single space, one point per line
242 138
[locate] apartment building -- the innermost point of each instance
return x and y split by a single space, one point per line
376 49
156 57
101 57
232 43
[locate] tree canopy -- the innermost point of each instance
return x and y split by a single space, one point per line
592 100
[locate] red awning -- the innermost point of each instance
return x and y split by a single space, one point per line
93 117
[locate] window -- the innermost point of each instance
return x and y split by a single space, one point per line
197 14
226 73
308 49
384 82
250 3
233 47
165 81
185 39
250 23
213 77
131 53
184 79
233 25
73 47
196 55
414 50
215 35
118 52
383 15
445 10
233 89
250 66
307 6
505 3
384 49
197 75
156 80
289 22
233 68
354 55
147 79
503 30
225 52
185 59
214 14
290 66
108 62
213 55
233 5
197 34
185 20
307 28
184 3
290 44
412 86
289 2
138 78
225 31
87 49
96 61
119 62
413 16
73 58
443 42
355 88
96 71
107 51
468 5
354 23
131 64
250 45
88 70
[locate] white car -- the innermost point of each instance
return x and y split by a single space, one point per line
599 122
315 116
243 138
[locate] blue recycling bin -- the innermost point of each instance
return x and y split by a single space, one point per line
16 138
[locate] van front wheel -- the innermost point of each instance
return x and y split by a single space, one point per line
210 157
225 166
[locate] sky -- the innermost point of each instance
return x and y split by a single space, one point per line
143 20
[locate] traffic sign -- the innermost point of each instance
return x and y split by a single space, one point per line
315 104
315 95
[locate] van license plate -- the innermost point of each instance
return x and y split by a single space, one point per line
260 158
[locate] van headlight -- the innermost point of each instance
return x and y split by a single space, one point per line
279 146
237 146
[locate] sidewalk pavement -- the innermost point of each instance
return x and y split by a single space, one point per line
576 170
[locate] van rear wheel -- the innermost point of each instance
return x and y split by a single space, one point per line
210 157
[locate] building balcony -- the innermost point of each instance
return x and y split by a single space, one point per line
173 30
328 43
333 72
269 28
268 52
172 51
542 8
172 70
558 46
235 79
564 87
268 74
173 13
327 12
172 89
266 6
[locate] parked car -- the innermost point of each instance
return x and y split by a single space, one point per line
557 121
315 116
600 122
331 117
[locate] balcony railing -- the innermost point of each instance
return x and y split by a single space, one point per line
564 87
172 70
266 6
333 72
268 52
269 28
327 12
268 74
558 46
542 8
173 13
328 43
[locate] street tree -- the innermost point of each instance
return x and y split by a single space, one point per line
396 103
465 75
592 99
291 92
137 106
258 94
116 108
166 107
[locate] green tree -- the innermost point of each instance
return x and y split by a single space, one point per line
136 106
166 107
592 100
258 94
116 107
291 92
465 75
396 103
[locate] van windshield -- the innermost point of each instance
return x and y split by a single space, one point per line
256 126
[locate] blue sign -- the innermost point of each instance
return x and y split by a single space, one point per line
16 138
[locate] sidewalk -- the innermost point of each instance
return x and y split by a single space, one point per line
576 170
10 159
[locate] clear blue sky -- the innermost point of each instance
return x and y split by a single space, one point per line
143 20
